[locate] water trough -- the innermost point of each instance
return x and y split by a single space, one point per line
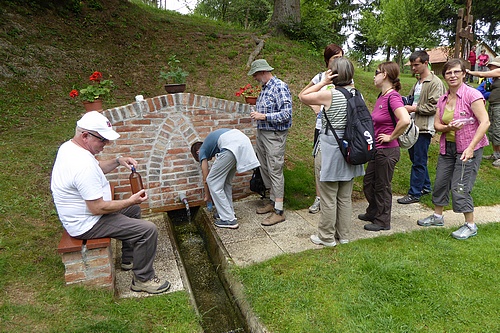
211 294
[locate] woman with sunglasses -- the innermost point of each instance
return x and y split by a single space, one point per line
462 119
377 181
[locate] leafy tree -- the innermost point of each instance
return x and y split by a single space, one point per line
401 26
407 25
367 41
253 13
345 11
316 25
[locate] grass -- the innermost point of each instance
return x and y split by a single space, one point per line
45 54
424 281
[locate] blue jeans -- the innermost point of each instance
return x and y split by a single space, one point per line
419 177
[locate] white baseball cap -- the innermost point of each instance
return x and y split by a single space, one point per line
94 121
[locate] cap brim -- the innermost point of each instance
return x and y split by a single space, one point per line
109 135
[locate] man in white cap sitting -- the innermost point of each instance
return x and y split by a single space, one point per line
82 197
274 118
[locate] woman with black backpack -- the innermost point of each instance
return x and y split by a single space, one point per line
336 178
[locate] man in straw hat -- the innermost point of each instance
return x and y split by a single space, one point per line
82 197
274 117
494 107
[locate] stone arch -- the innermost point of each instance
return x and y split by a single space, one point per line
158 132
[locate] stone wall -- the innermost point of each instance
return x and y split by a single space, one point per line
90 266
158 132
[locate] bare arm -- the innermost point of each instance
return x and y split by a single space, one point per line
315 108
110 165
313 95
493 73
403 122
484 123
100 207
204 171
443 128
401 125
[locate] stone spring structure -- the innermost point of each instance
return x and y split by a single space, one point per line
158 132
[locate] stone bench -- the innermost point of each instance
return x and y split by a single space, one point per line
89 262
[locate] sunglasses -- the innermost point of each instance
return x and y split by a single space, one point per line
453 73
100 138
377 72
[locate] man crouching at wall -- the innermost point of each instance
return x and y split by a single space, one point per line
233 153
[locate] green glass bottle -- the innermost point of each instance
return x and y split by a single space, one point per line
487 85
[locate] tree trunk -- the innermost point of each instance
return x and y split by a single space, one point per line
285 12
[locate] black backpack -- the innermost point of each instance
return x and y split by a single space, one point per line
257 183
358 143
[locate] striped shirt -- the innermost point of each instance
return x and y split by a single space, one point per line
337 113
275 101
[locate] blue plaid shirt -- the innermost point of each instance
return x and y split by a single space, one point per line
275 101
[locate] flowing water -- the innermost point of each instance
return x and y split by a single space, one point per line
217 310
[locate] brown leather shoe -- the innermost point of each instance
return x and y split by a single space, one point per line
265 209
273 219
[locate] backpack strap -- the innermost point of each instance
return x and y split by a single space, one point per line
347 96
329 125
346 92
391 113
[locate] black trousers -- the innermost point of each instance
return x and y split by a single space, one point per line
377 185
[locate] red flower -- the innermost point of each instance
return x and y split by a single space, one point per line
98 88
248 90
240 92
73 93
96 76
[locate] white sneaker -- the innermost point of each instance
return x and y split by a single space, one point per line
465 232
316 240
496 163
343 241
315 207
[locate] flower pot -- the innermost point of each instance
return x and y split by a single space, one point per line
175 88
252 100
93 106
